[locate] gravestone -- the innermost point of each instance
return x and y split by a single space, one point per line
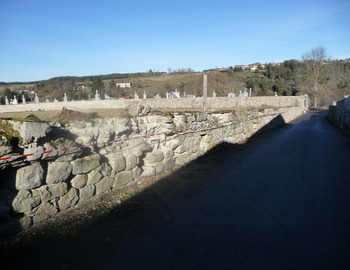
36 98
245 93
15 101
97 96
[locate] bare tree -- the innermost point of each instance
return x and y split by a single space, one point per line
315 71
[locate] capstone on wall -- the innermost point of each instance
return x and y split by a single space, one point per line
217 103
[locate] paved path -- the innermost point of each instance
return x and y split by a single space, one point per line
282 201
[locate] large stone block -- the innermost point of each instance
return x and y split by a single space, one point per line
58 172
24 202
68 200
105 184
94 177
117 162
168 163
136 172
123 178
31 131
79 181
86 164
37 151
57 190
86 193
130 161
29 177
153 157
45 211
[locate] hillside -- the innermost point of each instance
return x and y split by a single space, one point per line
288 78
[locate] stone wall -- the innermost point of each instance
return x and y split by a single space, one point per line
38 187
217 103
340 114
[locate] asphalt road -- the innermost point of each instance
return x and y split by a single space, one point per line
281 201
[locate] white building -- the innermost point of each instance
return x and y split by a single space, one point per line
125 84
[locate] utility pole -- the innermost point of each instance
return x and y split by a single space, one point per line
205 92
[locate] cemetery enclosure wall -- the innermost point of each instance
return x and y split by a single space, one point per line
217 103
47 184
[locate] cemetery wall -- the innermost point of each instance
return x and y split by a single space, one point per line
214 103
37 187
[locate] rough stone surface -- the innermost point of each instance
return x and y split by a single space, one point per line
117 163
57 190
5 149
58 172
24 202
86 164
30 176
153 157
136 172
94 177
79 181
86 193
26 222
37 153
168 163
31 131
45 211
123 178
105 184
68 200
67 155
130 161
148 171
105 169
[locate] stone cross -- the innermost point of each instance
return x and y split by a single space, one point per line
23 99
15 101
6 100
65 99
144 94
214 93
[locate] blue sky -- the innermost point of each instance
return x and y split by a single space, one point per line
49 38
